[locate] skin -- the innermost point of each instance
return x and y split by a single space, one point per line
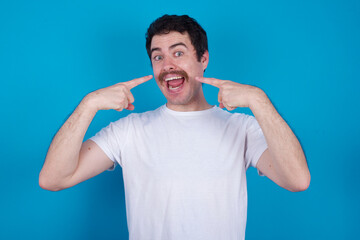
284 161
174 51
69 161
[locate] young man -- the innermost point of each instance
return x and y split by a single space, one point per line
184 164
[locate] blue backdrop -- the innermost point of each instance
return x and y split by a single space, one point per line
304 54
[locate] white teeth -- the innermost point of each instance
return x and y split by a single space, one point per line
173 88
172 78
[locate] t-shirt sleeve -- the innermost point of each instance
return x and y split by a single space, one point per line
255 143
111 140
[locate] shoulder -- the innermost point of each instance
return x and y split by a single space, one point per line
144 116
234 117
238 121
136 118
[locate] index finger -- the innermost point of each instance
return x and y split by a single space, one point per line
137 81
212 81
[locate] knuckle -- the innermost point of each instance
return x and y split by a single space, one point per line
225 99
121 102
226 84
122 86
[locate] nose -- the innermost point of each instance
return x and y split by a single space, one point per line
168 64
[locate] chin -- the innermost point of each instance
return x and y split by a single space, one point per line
177 101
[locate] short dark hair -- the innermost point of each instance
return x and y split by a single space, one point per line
182 24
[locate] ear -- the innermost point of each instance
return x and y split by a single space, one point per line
205 60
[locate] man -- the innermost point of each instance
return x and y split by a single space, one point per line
184 164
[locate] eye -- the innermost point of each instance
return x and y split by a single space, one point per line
157 58
178 54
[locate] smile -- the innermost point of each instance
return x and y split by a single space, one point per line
172 78
174 83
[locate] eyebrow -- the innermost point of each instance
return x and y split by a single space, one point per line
177 44
171 47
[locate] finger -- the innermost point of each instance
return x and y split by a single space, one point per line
129 95
135 82
122 105
211 81
119 109
221 105
229 108
131 98
130 107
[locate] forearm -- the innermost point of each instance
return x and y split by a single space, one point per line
62 167
284 162
287 157
63 154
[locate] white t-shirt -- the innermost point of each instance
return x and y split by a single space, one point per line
184 172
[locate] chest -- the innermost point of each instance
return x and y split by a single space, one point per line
190 150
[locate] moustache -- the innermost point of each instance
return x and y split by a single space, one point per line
182 73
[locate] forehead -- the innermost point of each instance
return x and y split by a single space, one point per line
164 41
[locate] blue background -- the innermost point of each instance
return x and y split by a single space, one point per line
304 54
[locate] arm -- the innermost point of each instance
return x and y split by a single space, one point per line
284 161
69 161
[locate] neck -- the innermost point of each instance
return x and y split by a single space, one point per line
197 104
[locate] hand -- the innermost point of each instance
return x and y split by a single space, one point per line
231 94
117 97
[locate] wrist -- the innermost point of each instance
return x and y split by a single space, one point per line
88 103
258 99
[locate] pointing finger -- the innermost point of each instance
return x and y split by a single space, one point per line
137 81
212 81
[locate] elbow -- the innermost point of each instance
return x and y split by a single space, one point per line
302 183
302 179
45 184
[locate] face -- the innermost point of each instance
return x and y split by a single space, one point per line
175 66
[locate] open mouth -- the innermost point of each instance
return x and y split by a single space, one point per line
174 83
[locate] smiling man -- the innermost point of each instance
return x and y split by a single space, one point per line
175 62
184 164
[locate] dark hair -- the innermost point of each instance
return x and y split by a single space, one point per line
182 24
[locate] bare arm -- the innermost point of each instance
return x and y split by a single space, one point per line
284 161
63 156
69 161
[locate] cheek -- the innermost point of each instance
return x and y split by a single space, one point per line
195 69
159 84
156 76
156 69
